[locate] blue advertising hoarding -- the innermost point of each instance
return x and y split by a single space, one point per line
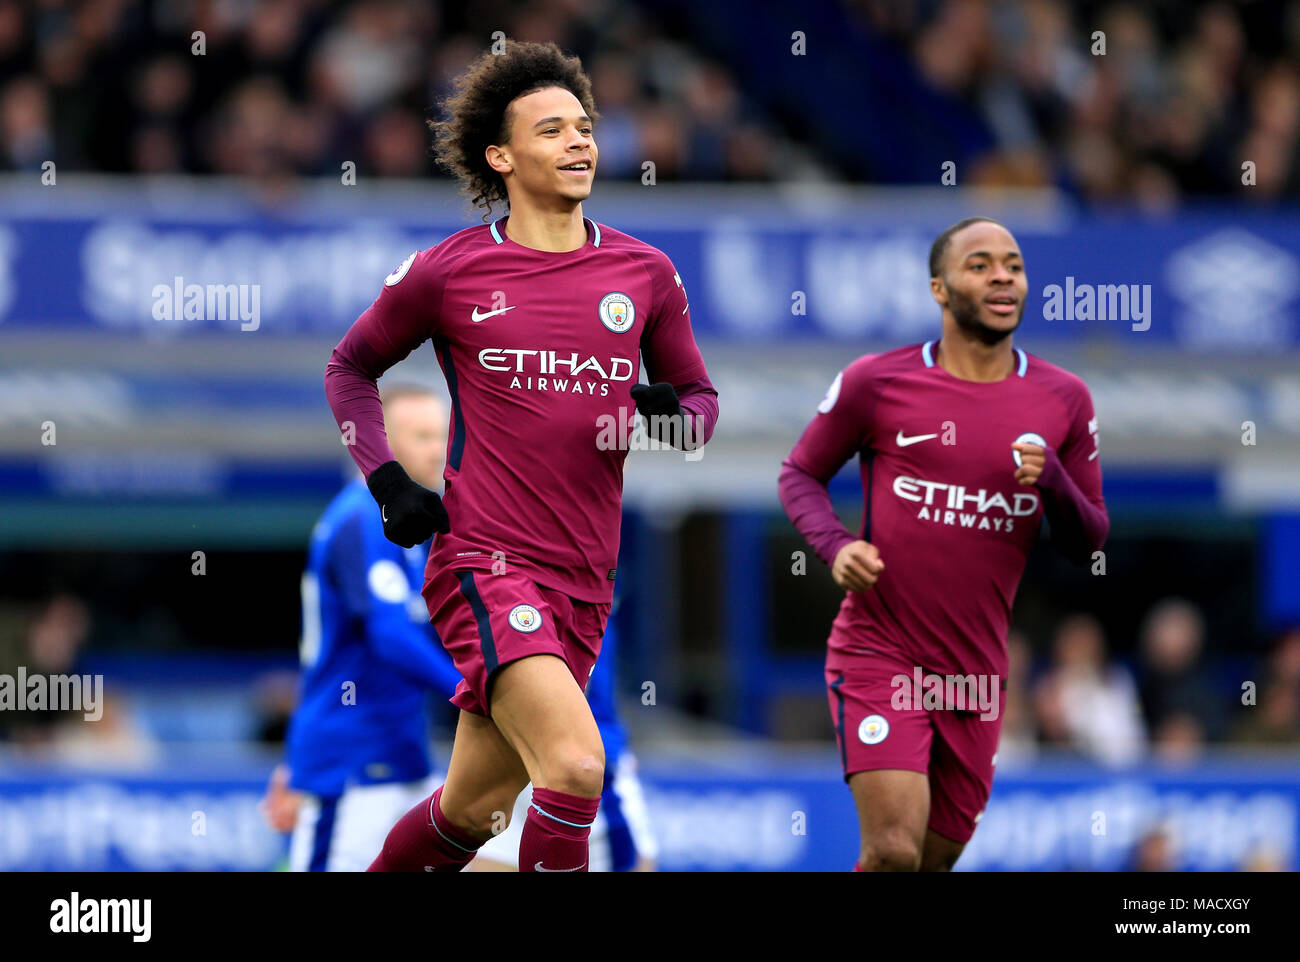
792 815
1202 280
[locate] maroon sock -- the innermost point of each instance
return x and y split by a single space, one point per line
555 835
423 840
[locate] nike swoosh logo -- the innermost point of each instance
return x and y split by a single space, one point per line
905 441
383 513
476 316
539 868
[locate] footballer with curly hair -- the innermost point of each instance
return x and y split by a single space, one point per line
540 321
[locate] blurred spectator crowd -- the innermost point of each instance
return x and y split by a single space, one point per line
48 639
1183 95
1169 703
298 87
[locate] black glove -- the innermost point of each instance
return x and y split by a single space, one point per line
652 399
660 400
411 513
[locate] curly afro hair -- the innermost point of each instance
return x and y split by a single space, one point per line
477 112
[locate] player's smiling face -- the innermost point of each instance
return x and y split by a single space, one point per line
984 284
552 150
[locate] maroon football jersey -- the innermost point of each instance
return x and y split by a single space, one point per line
540 350
941 502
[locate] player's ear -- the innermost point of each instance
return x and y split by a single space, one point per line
939 291
498 159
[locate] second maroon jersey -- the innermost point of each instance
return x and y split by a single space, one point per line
941 502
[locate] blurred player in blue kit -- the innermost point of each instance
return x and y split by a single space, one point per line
358 753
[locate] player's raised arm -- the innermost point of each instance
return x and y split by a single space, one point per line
401 318
836 433
1070 482
679 384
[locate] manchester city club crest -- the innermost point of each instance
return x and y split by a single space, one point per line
1027 438
617 312
525 618
873 730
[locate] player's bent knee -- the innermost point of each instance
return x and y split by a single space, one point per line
574 772
897 859
891 851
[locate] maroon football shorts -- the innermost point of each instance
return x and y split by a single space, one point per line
956 749
487 620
